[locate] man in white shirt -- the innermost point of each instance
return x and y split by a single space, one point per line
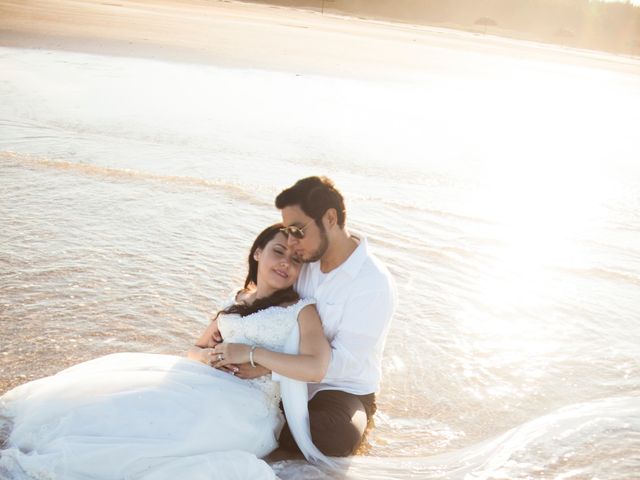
355 297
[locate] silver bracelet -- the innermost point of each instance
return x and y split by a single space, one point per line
251 356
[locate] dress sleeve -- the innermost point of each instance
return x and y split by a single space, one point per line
303 302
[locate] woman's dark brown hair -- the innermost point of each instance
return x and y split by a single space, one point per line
280 297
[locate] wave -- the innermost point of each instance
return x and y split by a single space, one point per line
238 191
591 439
599 438
404 206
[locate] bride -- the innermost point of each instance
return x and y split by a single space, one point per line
149 416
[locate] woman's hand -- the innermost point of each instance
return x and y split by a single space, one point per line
235 358
206 356
229 353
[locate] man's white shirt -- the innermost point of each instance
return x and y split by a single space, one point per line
356 301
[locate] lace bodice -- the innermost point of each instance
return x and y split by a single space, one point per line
267 328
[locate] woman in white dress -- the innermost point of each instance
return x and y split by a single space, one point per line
148 416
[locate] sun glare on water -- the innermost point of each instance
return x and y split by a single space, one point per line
544 193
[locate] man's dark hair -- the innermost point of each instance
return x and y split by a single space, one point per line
314 195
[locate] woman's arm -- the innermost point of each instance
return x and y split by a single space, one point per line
310 365
202 351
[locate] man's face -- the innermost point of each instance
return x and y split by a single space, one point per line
315 241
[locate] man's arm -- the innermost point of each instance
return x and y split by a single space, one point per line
362 330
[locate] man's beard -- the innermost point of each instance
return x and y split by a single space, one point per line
322 248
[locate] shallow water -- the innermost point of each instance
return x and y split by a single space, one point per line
502 191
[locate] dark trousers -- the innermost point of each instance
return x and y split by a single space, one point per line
338 422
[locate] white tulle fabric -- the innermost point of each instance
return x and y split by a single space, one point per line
154 417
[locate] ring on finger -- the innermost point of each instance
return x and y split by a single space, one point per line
220 357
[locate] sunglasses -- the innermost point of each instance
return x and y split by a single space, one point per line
295 232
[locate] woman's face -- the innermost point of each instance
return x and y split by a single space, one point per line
278 266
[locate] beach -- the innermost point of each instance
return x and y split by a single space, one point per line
245 35
142 144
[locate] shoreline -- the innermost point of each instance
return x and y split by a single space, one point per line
238 34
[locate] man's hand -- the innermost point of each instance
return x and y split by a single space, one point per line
243 370
234 358
247 372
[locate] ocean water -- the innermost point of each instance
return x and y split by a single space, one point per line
502 189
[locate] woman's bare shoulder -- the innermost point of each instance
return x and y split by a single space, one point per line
243 295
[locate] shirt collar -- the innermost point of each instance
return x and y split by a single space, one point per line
352 265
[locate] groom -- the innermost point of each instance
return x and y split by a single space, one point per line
355 297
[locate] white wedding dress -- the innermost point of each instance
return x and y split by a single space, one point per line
152 417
